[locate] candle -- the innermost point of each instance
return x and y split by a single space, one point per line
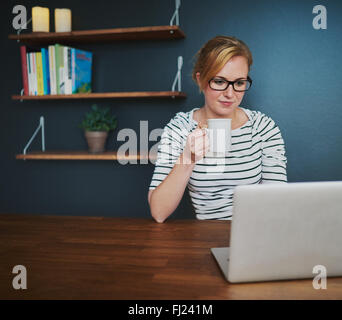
40 19
62 20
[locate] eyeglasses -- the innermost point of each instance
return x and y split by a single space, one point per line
221 84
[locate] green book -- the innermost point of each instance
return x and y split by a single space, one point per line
60 81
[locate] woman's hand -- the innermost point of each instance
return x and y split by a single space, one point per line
197 145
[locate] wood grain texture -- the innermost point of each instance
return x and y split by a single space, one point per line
81 155
106 95
101 35
123 258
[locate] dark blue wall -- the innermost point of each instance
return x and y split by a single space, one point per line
296 80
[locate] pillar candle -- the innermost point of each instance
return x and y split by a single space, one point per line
62 20
40 19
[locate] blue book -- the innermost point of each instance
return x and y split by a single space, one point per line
81 70
46 70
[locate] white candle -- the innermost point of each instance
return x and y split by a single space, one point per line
62 20
40 19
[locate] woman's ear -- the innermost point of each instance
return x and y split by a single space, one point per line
198 78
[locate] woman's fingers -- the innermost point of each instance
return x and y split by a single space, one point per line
198 143
201 140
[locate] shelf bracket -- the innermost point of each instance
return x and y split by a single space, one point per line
178 78
176 14
20 29
41 126
21 94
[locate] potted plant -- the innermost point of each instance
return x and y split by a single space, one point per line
96 125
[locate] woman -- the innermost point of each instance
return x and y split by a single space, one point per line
257 152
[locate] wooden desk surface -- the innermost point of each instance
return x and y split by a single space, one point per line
116 258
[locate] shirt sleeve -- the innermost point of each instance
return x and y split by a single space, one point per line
273 153
170 148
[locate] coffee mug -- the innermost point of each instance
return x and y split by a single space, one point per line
219 132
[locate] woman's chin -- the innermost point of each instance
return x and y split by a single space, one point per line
225 111
219 111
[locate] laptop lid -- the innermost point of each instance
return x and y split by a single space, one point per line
282 231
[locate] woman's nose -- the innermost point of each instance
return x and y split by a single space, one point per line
229 92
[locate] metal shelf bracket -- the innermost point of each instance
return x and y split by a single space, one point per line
178 78
40 126
21 93
20 29
176 14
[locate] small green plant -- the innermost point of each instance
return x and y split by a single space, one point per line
98 120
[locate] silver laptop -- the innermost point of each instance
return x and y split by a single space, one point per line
282 231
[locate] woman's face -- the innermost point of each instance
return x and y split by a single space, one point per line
225 103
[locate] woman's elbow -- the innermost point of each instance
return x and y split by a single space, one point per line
158 219
156 215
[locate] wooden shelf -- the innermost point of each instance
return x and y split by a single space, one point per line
106 95
101 35
78 155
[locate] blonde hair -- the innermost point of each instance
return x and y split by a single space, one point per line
212 57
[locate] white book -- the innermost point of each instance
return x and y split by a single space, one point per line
34 70
73 69
67 71
52 67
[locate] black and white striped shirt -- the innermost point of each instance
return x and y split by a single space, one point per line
257 155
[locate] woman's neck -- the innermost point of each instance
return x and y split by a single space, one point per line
205 114
239 118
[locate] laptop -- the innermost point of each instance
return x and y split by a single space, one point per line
281 231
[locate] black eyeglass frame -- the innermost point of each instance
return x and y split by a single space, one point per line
231 83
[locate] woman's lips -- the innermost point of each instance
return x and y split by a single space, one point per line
226 103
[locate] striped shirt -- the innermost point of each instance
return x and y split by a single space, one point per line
256 155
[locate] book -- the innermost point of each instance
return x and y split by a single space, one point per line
67 71
81 70
73 78
29 74
46 72
40 81
24 69
52 69
57 69
31 70
59 55
34 72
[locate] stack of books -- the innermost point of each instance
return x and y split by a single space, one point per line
55 70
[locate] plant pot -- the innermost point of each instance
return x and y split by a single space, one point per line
96 140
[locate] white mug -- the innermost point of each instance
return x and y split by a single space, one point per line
219 132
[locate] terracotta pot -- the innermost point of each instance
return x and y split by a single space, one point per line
96 140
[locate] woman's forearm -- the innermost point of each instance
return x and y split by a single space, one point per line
166 197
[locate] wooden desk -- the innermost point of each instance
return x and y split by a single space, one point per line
114 258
